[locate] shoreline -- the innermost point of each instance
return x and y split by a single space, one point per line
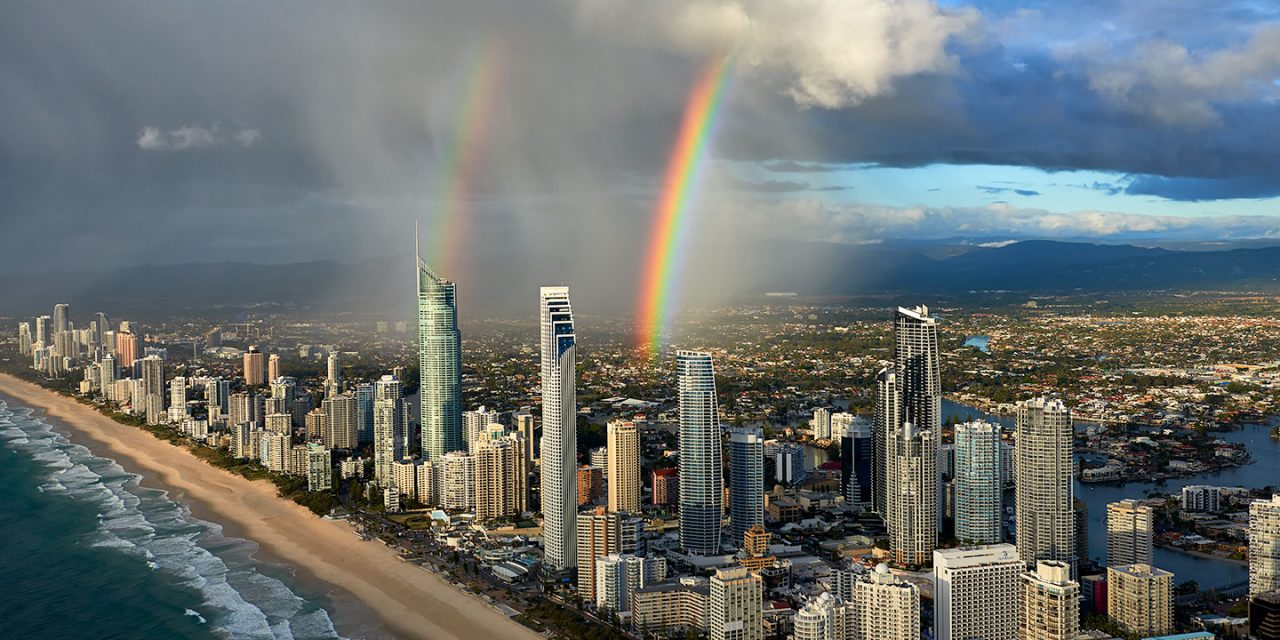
370 591
1200 554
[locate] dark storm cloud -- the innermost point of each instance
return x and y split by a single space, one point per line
137 132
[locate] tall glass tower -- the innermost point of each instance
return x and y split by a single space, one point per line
559 429
977 483
439 364
701 476
746 481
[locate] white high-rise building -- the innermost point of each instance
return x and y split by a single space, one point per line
701 472
976 592
1130 527
1202 498
388 417
458 486
342 429
978 509
476 422
1049 603
913 514
153 388
624 466
736 608
884 427
620 575
821 423
178 399
559 429
1264 546
887 608
1044 514
825 618
319 468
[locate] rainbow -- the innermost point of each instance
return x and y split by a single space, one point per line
469 133
666 240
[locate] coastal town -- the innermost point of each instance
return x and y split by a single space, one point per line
802 378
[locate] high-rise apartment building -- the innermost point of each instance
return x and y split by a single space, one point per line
620 575
915 348
61 317
126 349
887 608
825 618
976 592
524 427
559 429
1201 498
343 427
1130 526
364 407
913 512
439 364
599 534
590 481
501 491
1140 599
333 374
153 384
476 422
978 508
458 481
701 474
736 610
273 366
1264 546
857 458
746 481
887 420
1043 505
666 486
255 372
388 418
821 423
1049 603
624 466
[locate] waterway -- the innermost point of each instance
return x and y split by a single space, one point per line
1265 471
981 343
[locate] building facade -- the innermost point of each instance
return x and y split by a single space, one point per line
1130 527
746 481
439 364
1044 512
979 510
559 488
624 466
976 592
701 474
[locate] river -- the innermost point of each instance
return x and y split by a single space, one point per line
1264 471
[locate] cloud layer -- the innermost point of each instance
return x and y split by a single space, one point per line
194 137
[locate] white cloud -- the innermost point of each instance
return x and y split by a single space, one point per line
193 137
822 53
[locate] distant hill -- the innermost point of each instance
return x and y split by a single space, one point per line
386 285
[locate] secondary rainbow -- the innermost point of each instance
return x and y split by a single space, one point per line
659 278
462 159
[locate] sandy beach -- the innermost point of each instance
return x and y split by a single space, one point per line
377 594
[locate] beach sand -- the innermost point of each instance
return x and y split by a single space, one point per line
374 593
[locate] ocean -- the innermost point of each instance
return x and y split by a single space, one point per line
88 553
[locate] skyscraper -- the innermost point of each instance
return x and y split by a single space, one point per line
599 534
559 428
500 477
746 481
1129 530
388 416
126 349
61 317
856 460
1048 603
976 592
474 423
333 377
1140 599
364 408
1045 519
735 610
524 427
888 412
913 512
701 480
343 428
254 373
821 423
624 466
153 383
915 348
1264 546
273 366
440 364
978 511
888 608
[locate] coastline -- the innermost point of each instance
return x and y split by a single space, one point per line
373 593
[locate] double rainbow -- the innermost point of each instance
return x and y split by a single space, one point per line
659 288
464 153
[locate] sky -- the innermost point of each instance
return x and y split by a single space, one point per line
144 132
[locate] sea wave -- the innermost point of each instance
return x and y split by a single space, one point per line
240 600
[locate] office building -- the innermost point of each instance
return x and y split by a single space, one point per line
1264 546
976 592
1043 504
623 453
439 364
1140 599
857 456
913 513
1129 532
255 372
1049 606
388 418
559 448
887 608
599 534
746 481
735 610
978 503
701 479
